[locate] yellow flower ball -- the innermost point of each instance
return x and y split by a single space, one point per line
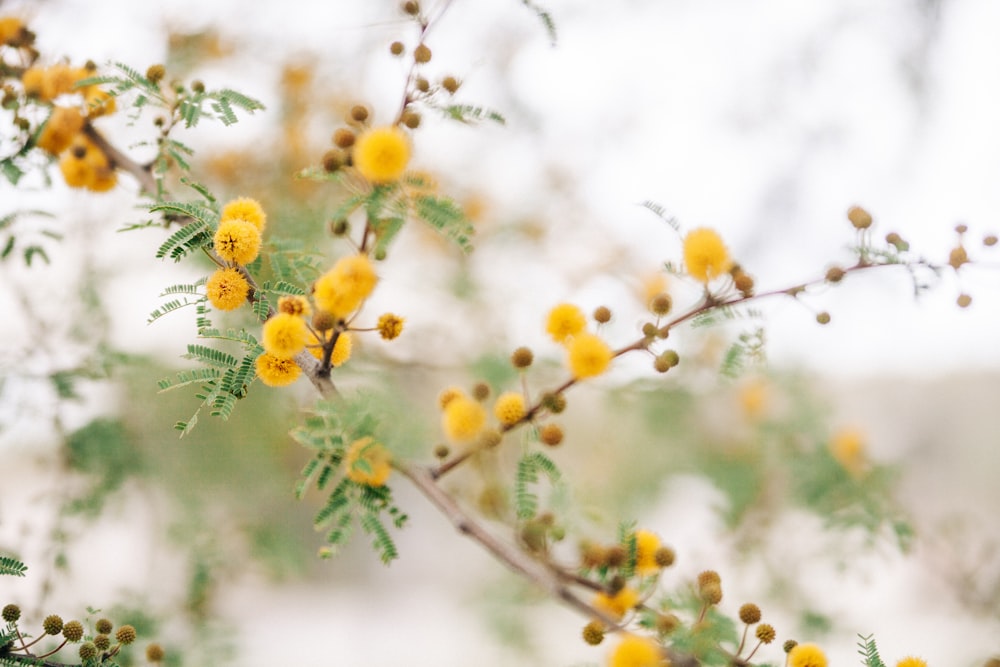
10 28
463 419
33 81
62 126
635 651
342 289
381 154
284 335
98 102
617 605
848 447
247 209
646 544
390 326
237 241
227 289
84 165
368 462
58 80
509 408
589 355
294 305
806 655
275 371
911 661
447 395
705 255
341 349
565 321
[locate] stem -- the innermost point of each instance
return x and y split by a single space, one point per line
142 173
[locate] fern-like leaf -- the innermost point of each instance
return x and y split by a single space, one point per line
545 18
468 113
446 217
12 567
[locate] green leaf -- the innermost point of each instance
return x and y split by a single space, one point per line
11 171
545 18
446 217
211 356
188 377
31 251
468 113
662 214
12 567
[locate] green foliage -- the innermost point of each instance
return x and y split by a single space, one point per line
528 468
468 113
104 451
869 651
544 17
32 249
747 350
194 235
329 431
447 217
703 640
662 214
11 567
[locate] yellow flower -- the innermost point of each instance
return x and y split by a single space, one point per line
227 289
237 241
368 462
705 255
381 154
62 126
617 605
753 397
99 102
315 345
84 165
463 419
341 349
343 288
588 356
509 408
806 655
565 321
275 371
294 305
390 326
848 447
911 662
635 651
284 335
33 81
447 395
10 28
247 209
646 544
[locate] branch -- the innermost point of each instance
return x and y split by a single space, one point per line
121 161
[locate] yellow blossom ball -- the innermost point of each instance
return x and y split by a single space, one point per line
589 355
227 289
806 655
247 209
509 408
463 419
10 28
565 321
99 102
705 255
848 447
62 126
368 462
341 349
275 371
84 165
646 544
294 305
381 154
33 81
59 80
635 651
390 326
237 241
617 605
342 289
284 335
911 661
447 395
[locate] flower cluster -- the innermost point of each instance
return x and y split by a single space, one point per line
237 242
588 354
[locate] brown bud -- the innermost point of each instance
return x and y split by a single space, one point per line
964 300
359 113
522 357
661 304
450 84
396 48
323 321
593 633
333 160
961 228
602 314
422 84
744 283
155 73
859 217
957 257
422 54
481 391
835 274
750 613
442 451
551 434
823 318
411 7
411 119
343 138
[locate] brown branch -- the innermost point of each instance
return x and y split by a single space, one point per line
142 173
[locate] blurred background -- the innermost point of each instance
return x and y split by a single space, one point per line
763 120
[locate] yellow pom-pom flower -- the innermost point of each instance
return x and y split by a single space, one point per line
284 335
247 209
341 349
509 408
565 321
646 544
617 605
368 462
635 651
911 661
227 289
237 241
848 447
705 255
84 165
33 81
390 326
62 126
294 305
381 154
275 371
343 288
806 655
10 29
447 395
589 355
463 419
